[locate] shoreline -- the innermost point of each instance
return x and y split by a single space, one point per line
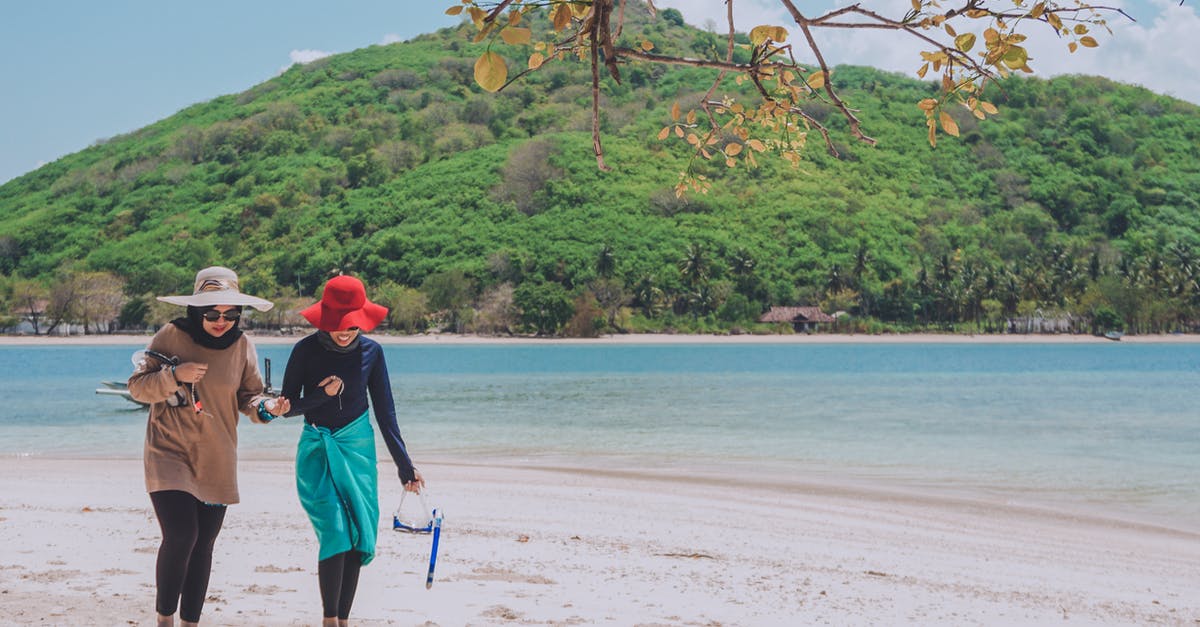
834 484
642 338
537 545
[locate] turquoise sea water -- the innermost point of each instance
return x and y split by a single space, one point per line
1111 426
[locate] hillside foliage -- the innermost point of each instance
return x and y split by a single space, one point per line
470 211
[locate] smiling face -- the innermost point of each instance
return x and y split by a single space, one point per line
221 325
343 338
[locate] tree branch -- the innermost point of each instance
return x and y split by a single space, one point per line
851 119
596 147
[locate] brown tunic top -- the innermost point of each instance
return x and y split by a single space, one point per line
190 451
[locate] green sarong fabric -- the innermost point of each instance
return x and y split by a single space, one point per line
338 484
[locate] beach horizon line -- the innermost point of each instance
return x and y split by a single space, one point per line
645 338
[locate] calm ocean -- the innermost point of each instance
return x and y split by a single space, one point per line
1111 426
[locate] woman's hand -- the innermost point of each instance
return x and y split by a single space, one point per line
190 372
332 385
416 484
278 406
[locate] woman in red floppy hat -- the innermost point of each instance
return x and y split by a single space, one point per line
330 377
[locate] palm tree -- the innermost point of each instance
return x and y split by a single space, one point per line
605 262
694 267
647 295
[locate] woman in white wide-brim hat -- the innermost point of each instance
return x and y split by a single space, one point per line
203 371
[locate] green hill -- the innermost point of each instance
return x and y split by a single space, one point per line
1081 197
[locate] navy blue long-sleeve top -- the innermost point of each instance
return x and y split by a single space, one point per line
363 372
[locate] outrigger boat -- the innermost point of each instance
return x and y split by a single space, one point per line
118 388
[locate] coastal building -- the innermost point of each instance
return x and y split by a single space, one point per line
802 319
1046 322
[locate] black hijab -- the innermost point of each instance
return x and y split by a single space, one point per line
193 325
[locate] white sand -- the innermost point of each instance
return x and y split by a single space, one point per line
528 545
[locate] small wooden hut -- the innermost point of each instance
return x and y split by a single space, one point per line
802 319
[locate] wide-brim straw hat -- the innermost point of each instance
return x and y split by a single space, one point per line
344 305
216 285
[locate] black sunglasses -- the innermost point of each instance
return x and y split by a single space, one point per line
212 315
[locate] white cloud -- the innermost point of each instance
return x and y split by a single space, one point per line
304 56
746 13
1160 52
391 38
307 56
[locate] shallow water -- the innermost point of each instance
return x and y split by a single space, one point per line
1114 425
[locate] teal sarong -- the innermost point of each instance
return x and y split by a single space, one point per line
338 484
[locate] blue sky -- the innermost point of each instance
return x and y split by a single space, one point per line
77 71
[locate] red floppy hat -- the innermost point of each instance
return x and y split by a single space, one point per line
343 305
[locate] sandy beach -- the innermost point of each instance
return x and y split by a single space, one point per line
554 546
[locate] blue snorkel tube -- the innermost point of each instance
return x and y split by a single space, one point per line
437 532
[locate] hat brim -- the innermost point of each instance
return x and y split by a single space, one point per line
219 297
329 319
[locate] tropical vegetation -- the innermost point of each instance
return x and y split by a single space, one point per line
469 211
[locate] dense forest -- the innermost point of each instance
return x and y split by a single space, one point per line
469 211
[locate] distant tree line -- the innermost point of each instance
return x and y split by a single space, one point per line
1154 294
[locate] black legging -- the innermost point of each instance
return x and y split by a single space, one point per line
338 576
189 530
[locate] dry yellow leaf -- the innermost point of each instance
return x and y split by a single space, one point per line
761 34
516 36
477 15
965 42
948 124
490 71
562 17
